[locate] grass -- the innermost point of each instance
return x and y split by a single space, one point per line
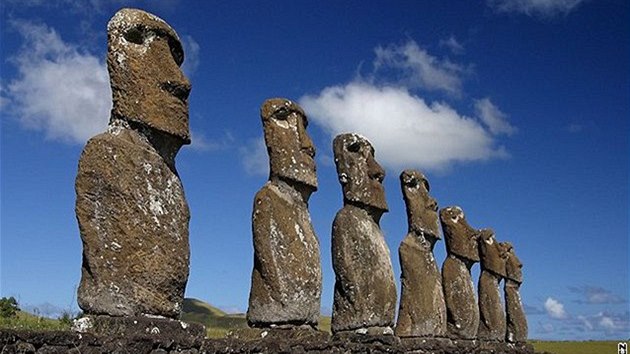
567 347
27 321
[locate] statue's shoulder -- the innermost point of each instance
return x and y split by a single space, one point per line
348 217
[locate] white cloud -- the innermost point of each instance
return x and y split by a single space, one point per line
191 55
419 69
452 44
200 143
404 129
555 309
59 89
585 322
547 327
493 118
544 8
607 323
254 157
575 128
596 295
4 101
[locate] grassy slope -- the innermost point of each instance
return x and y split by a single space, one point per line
588 347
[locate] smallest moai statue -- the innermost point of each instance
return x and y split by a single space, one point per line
515 316
459 293
422 310
491 313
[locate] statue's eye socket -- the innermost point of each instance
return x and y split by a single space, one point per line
412 182
281 113
354 147
134 35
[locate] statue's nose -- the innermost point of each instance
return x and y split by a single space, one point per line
433 205
306 144
179 88
375 171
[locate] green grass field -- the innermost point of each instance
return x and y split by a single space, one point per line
588 347
27 321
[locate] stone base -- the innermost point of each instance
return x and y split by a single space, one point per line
276 341
141 326
282 333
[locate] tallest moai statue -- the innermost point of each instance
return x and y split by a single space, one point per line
132 213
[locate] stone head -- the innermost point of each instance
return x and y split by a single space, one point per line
513 265
148 87
461 238
422 209
291 151
361 177
492 254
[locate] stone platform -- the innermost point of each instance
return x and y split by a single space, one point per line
274 341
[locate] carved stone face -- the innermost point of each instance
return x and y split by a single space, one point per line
461 239
361 177
422 209
492 253
291 151
144 57
513 265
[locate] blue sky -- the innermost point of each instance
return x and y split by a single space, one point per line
516 110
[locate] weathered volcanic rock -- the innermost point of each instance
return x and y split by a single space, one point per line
143 59
491 312
365 291
422 310
459 294
133 219
286 279
515 315
130 204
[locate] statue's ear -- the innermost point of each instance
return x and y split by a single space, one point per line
343 178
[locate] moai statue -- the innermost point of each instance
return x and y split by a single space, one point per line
491 312
365 290
459 294
286 280
130 204
515 316
422 310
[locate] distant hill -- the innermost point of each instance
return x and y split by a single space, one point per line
218 323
